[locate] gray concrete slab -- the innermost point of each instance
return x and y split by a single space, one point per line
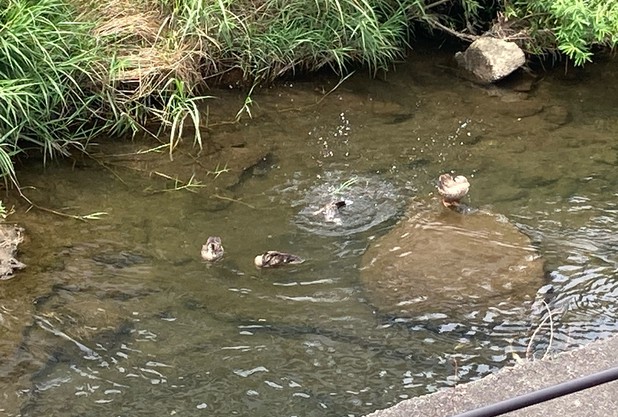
599 401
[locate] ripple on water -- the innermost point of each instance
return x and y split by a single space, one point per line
370 201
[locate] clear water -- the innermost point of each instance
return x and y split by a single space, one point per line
120 316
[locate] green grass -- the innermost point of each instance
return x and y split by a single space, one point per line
62 84
45 63
282 36
72 70
66 77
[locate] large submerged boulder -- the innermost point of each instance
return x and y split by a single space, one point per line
491 59
441 262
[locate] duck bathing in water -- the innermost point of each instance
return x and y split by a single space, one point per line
273 258
330 211
452 189
212 250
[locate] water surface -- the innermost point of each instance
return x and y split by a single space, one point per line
120 316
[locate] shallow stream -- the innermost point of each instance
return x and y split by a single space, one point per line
121 317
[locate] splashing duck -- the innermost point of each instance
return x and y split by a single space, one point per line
212 250
452 189
273 258
330 211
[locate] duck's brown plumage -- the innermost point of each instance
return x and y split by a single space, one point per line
452 189
212 250
273 258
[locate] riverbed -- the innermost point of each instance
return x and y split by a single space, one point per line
119 315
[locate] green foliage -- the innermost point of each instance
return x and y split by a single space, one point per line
45 61
59 86
63 83
569 26
274 37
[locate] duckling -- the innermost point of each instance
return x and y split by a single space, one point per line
273 258
452 189
213 249
330 211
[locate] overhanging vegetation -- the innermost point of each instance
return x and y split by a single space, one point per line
71 70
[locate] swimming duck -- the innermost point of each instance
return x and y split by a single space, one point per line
452 189
273 258
330 211
213 249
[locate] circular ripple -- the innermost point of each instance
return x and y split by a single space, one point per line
370 200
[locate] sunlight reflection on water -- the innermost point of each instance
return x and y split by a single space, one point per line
131 322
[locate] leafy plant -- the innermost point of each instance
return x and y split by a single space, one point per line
275 37
569 26
46 62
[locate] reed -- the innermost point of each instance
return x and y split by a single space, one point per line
46 62
71 70
276 37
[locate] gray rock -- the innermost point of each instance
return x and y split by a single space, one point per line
491 59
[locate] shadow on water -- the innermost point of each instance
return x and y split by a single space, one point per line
120 316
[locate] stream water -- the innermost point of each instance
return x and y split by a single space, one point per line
121 317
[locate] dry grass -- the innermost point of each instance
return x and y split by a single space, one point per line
143 71
147 51
142 26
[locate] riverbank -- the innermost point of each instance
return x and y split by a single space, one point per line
79 70
600 401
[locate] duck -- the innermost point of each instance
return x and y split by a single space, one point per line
271 258
212 250
452 189
331 210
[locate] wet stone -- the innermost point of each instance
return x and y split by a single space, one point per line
520 108
558 115
438 261
10 237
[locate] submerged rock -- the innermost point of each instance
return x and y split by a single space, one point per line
438 261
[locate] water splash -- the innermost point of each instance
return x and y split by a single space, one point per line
369 201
